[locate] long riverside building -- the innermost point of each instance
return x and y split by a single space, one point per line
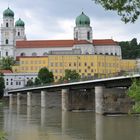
86 65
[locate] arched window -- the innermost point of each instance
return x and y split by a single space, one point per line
88 35
45 54
6 41
7 24
22 54
34 54
18 33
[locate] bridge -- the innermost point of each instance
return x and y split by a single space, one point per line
106 95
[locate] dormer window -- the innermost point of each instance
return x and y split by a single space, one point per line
34 54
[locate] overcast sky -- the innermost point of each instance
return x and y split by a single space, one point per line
55 19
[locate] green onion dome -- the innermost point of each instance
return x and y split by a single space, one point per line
8 13
82 20
19 23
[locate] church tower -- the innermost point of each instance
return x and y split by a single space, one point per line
83 31
20 30
8 43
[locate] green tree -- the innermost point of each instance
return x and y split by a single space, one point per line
129 10
45 76
3 135
6 63
134 93
30 82
130 49
71 75
2 85
37 81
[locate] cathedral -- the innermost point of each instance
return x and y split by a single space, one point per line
15 44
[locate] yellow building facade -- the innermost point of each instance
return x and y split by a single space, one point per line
85 65
128 65
31 64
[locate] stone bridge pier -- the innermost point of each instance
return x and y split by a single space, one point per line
83 99
112 100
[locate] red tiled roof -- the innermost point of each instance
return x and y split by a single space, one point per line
49 43
6 71
60 43
98 42
44 43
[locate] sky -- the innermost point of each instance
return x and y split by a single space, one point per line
55 19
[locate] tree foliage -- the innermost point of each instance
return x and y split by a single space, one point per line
130 49
45 76
71 75
37 81
134 93
30 82
3 135
129 10
2 85
6 63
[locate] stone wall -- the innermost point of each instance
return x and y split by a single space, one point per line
115 100
82 99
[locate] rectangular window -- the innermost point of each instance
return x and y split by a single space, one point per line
16 83
51 64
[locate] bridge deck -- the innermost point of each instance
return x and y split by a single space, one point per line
121 81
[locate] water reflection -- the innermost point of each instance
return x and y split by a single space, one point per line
33 123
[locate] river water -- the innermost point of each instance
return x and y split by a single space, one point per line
33 123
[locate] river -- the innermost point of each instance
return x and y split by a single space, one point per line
33 123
